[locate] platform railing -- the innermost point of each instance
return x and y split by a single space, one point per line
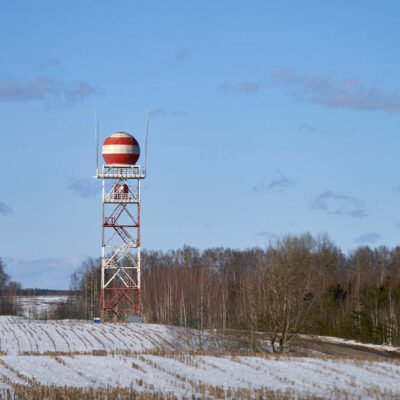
121 171
113 197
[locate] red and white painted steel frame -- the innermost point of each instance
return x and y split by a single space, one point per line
120 290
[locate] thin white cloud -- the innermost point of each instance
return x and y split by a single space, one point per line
267 234
338 204
244 87
5 209
276 184
347 93
369 237
44 273
84 187
163 112
51 62
183 55
305 127
46 90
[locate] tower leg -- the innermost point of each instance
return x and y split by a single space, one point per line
120 263
102 304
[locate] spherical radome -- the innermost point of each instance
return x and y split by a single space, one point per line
121 148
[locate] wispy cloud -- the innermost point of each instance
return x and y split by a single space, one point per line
244 87
183 55
84 187
305 127
276 184
5 209
46 273
213 154
279 183
209 154
369 237
266 234
46 90
51 62
163 112
338 204
347 94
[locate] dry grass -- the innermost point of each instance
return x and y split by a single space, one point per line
39 392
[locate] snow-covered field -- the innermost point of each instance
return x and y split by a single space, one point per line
154 358
187 375
19 337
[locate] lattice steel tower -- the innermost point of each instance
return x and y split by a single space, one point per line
120 256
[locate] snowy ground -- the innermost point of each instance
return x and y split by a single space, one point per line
19 336
152 358
185 375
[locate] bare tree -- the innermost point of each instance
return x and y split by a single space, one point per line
290 278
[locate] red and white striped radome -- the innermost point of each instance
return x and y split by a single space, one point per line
121 148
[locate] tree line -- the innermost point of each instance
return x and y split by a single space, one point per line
8 293
296 284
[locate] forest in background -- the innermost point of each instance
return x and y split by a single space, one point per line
8 293
298 284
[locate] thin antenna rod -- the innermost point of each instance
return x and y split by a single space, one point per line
97 145
96 138
147 132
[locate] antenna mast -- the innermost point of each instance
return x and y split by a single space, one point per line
147 131
96 138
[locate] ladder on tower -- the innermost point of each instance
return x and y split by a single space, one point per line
125 235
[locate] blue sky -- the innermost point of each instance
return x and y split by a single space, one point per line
267 118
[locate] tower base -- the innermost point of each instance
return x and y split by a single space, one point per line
118 304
